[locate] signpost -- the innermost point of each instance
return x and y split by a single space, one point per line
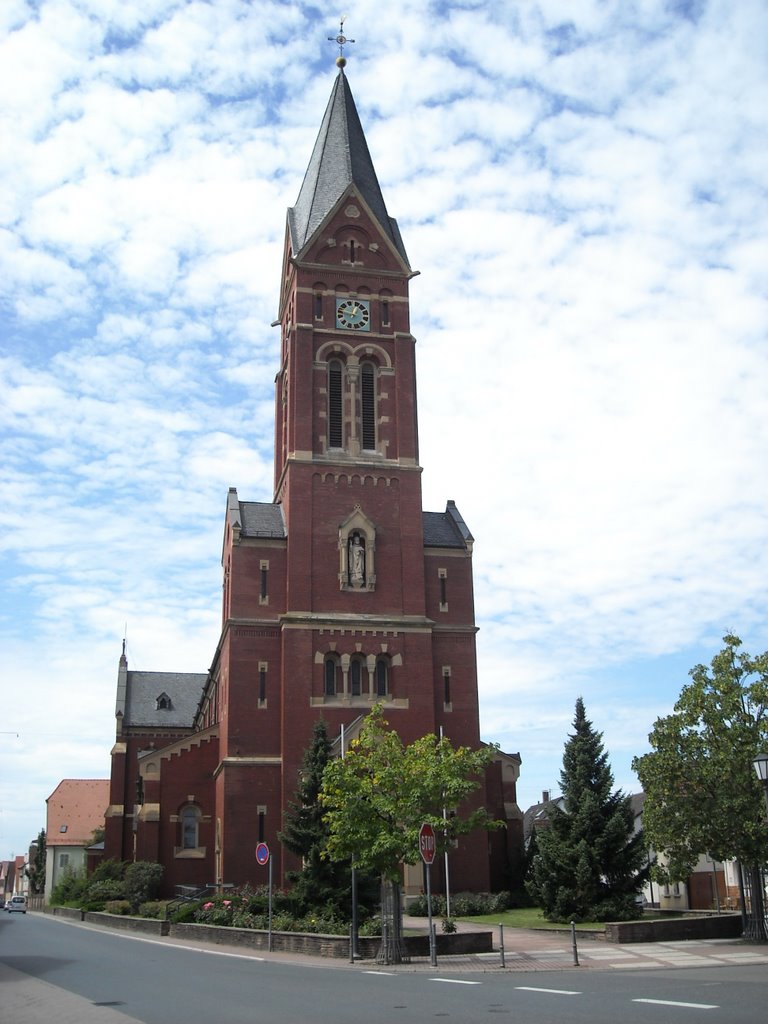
262 857
427 849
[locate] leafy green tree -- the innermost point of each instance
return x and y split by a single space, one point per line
321 886
36 867
377 797
590 863
702 794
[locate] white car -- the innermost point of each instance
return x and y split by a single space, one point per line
17 905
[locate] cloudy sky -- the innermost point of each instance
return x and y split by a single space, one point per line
581 184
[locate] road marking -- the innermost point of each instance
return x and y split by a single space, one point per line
381 974
553 991
671 1002
456 981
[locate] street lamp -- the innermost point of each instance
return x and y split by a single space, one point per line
760 765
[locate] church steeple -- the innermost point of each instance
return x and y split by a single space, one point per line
339 160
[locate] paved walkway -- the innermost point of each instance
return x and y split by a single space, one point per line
533 950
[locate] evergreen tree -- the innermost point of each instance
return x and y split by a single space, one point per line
590 864
36 867
321 886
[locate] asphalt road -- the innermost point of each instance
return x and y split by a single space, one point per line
53 970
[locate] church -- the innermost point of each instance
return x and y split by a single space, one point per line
340 593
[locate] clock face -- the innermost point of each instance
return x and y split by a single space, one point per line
353 314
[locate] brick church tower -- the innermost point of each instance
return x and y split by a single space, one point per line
341 592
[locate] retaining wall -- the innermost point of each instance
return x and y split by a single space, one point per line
719 926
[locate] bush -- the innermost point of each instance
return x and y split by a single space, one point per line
185 913
449 925
463 904
70 889
109 870
98 893
142 882
153 908
370 928
121 907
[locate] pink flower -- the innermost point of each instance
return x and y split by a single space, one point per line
207 906
227 903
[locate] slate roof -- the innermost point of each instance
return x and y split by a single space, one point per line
340 159
183 688
445 529
261 519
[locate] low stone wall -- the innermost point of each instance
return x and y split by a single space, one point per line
72 912
308 944
719 926
142 925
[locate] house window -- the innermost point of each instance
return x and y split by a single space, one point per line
443 574
335 404
190 826
385 312
331 677
63 860
262 682
318 305
368 406
261 812
164 702
263 581
447 685
382 677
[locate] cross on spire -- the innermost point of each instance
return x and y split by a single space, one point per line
342 41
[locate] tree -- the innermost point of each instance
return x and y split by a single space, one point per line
702 794
322 885
36 867
590 863
377 797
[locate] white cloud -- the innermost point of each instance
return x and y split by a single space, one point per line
581 186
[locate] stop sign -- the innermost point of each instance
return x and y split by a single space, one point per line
427 845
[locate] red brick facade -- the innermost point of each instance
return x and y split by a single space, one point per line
341 592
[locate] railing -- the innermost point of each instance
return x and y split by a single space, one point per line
187 894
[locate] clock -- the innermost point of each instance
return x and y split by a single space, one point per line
353 314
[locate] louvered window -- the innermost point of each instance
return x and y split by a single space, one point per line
381 677
355 677
335 405
330 677
368 406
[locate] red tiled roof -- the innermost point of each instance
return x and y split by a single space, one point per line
80 805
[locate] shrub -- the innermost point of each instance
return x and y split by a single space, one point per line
117 907
448 925
142 881
185 913
98 893
463 904
153 908
370 928
70 888
109 870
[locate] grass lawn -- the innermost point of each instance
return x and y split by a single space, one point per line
528 917
532 917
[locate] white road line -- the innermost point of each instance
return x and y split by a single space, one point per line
456 981
381 974
553 991
671 1002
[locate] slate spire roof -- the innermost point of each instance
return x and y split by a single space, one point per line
340 159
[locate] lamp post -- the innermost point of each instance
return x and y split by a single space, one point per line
760 765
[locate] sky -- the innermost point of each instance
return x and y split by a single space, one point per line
581 184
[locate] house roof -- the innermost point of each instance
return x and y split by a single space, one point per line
339 160
164 699
261 519
75 809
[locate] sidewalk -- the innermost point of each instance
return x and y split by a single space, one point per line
534 950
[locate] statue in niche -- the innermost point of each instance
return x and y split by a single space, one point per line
356 561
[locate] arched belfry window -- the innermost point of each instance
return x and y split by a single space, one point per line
368 406
331 676
356 677
335 404
381 680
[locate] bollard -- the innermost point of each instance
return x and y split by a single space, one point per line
501 943
573 941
